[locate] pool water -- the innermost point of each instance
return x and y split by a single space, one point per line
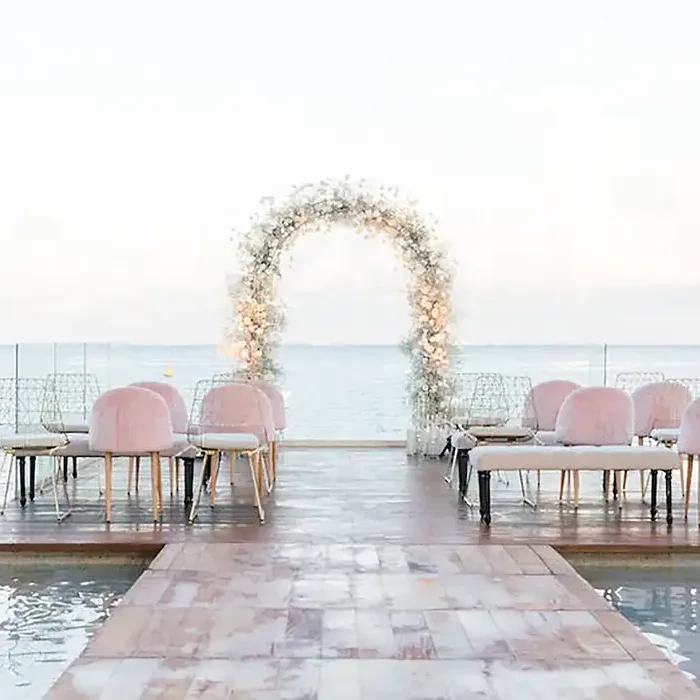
49 609
663 602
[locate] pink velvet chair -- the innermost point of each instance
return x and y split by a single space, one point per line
689 445
179 418
279 417
597 416
658 406
233 418
131 422
543 404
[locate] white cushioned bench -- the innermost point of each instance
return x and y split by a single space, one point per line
578 458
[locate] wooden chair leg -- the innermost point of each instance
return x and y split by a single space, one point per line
177 475
254 459
642 484
137 460
155 459
688 482
232 464
108 488
606 484
576 488
171 472
562 478
214 478
624 481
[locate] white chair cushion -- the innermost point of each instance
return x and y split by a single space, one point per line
39 441
462 441
546 437
540 457
78 446
500 432
225 442
666 434
82 428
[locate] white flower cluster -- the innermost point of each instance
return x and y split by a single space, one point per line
259 319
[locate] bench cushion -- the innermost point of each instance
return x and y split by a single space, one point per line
500 433
38 441
612 457
82 428
666 434
546 437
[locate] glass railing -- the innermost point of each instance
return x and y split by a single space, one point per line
342 392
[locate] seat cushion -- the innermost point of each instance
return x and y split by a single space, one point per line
546 437
462 441
38 441
501 433
584 457
78 446
226 442
669 435
82 428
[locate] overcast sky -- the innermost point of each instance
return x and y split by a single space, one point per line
558 148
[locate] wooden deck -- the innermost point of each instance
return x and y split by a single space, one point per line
345 495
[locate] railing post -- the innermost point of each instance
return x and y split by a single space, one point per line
16 387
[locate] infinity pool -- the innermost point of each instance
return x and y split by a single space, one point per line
662 601
49 609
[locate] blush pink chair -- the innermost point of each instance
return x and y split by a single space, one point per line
596 416
279 417
131 422
689 445
232 418
658 406
179 419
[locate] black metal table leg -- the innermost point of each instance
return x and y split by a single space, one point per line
189 481
615 488
32 477
654 488
463 469
22 482
65 469
669 499
75 467
485 497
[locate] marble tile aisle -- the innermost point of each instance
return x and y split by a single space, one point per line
352 622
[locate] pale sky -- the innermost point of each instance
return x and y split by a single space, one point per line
556 142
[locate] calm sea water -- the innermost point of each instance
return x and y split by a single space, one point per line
350 392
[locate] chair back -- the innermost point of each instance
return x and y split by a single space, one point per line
176 404
659 405
234 407
689 438
130 420
544 402
598 415
68 400
276 400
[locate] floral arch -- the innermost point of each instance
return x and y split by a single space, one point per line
259 319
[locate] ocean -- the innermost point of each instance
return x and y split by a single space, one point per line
344 392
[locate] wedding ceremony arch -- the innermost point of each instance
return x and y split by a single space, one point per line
259 318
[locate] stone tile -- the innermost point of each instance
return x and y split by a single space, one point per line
339 637
340 680
166 556
375 634
118 636
321 591
412 592
628 637
554 561
501 562
148 589
367 591
595 640
483 634
411 636
299 678
419 560
448 635
392 559
584 592
303 634
239 632
172 678
527 559
84 679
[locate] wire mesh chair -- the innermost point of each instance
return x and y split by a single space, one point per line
68 401
630 381
518 390
24 436
692 384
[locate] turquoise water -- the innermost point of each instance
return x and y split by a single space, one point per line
48 612
350 392
663 602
